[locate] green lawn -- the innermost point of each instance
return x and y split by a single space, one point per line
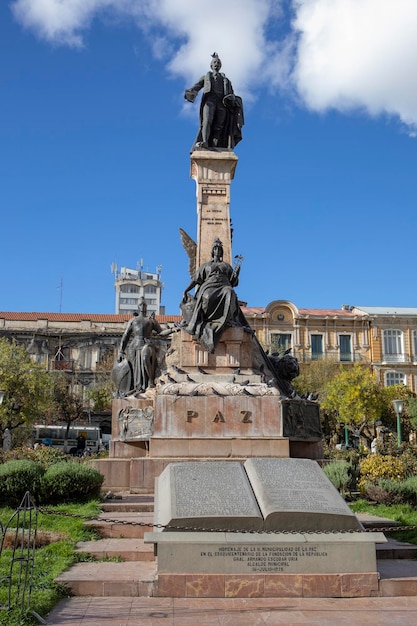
403 513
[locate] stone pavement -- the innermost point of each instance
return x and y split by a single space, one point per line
128 611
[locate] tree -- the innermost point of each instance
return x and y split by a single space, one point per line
67 406
27 387
314 378
388 416
355 397
101 393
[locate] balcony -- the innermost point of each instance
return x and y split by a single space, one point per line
62 365
396 358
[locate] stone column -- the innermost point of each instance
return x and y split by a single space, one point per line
213 171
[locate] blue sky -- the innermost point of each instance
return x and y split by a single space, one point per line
95 138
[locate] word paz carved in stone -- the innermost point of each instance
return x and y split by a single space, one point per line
220 418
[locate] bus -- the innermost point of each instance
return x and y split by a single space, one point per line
54 435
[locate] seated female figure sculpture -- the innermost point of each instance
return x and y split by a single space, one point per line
215 304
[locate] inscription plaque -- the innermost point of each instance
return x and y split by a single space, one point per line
206 495
295 494
265 493
230 553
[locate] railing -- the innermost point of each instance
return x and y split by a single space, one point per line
19 537
344 357
64 364
399 357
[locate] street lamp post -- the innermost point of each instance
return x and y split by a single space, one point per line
398 408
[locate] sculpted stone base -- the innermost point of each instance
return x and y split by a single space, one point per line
207 406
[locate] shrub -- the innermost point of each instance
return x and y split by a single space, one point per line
17 477
70 482
388 491
376 466
44 455
339 472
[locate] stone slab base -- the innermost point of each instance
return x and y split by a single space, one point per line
136 475
364 584
224 447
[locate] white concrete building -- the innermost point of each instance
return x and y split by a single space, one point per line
131 285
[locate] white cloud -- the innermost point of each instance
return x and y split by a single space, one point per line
336 54
357 54
185 32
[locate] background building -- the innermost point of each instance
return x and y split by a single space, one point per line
131 285
393 343
78 343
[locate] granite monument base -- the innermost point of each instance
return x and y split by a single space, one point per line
267 527
240 565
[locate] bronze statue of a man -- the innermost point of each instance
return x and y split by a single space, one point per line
221 111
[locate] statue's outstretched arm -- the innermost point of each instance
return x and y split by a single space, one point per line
191 93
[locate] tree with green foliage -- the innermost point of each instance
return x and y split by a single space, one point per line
67 406
354 397
388 416
412 411
314 378
101 392
27 388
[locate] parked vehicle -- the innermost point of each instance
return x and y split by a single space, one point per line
54 435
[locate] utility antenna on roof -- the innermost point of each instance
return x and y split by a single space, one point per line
60 287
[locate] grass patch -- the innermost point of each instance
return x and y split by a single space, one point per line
403 513
51 558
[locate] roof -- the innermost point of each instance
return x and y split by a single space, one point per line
79 317
327 312
387 310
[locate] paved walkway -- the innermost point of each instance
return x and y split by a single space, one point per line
401 611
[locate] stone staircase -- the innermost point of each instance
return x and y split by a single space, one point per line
132 573
133 570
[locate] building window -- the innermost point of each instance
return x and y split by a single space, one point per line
105 354
128 301
280 342
393 347
345 347
149 289
394 378
150 301
85 358
415 346
129 288
316 347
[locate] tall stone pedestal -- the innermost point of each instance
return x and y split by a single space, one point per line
213 173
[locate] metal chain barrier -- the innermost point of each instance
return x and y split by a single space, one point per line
384 529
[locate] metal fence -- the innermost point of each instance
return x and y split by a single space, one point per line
19 536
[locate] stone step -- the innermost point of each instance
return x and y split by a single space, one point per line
128 579
398 577
127 506
126 549
117 525
396 550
